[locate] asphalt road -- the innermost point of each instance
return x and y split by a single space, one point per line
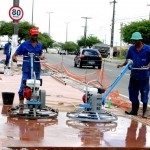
110 69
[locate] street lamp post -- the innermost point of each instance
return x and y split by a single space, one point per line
49 13
32 10
66 30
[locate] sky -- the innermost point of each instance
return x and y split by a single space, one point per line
71 12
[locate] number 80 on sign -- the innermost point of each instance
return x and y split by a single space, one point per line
16 13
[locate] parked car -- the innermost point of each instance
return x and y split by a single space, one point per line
88 57
62 52
71 53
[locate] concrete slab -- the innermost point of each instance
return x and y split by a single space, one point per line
127 132
61 133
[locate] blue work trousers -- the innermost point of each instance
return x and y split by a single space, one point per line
7 58
24 77
136 87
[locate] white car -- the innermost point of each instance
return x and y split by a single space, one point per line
62 52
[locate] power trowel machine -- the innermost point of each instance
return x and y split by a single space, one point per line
35 106
94 98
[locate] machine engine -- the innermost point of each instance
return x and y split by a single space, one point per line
31 90
93 97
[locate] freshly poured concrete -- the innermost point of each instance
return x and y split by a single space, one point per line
63 132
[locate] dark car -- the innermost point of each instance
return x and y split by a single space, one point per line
88 57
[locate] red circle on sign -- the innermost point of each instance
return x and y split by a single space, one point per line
18 13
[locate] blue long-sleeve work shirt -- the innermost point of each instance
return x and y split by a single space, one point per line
140 58
25 48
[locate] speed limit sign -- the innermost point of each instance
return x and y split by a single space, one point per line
16 13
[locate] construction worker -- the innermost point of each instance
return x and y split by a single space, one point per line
139 53
7 52
29 46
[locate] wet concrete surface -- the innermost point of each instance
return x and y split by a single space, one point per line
62 132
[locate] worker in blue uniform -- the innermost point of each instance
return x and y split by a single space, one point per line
29 46
7 52
139 53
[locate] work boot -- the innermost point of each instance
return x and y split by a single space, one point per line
21 99
144 111
6 63
134 110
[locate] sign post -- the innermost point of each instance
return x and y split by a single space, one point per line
16 13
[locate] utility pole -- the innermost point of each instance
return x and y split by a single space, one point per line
32 10
85 29
121 25
112 30
66 30
49 13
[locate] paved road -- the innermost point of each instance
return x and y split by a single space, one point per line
110 69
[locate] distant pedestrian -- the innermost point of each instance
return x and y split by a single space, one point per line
7 52
139 53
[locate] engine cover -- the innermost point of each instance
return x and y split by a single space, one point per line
27 93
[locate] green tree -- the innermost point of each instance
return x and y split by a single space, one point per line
45 40
7 28
81 42
70 46
57 45
141 26
90 41
24 30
